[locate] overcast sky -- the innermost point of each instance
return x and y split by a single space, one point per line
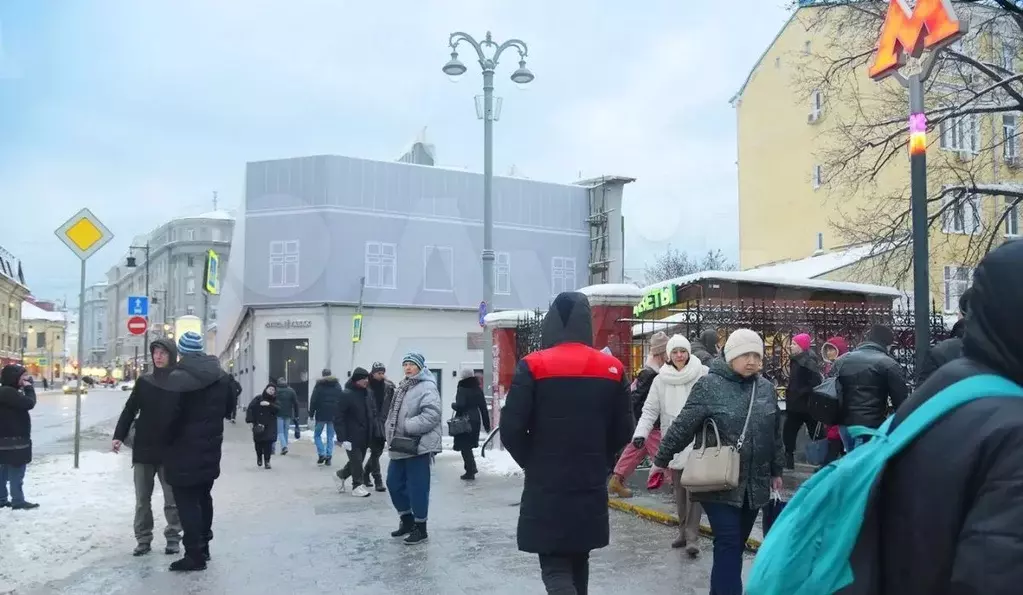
140 110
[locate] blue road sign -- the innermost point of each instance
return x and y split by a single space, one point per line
138 306
483 313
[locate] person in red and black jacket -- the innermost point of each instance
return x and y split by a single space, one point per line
566 416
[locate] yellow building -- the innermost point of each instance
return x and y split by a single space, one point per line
12 293
824 167
43 337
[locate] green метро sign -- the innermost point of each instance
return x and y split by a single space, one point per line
658 298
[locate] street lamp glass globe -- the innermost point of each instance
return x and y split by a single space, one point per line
454 68
522 75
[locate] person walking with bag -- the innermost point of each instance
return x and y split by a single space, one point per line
736 408
668 395
262 414
471 404
355 425
413 438
804 376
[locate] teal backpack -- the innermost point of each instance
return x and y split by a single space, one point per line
808 548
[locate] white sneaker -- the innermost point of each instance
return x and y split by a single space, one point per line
360 492
340 482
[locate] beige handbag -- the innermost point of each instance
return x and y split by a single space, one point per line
715 468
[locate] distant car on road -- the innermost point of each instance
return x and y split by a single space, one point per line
128 385
71 385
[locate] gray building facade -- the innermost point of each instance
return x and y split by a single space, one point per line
177 253
93 324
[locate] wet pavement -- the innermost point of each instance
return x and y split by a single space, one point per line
288 530
53 419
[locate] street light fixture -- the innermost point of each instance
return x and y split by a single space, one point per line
522 76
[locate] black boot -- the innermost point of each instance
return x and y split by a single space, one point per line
406 526
192 561
326 461
320 459
259 460
380 487
790 460
206 552
267 466
418 534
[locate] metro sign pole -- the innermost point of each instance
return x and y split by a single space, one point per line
910 32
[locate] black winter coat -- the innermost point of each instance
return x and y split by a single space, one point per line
804 376
325 400
567 414
263 418
356 417
470 402
287 399
15 421
644 381
383 392
868 378
706 347
943 352
196 433
948 514
151 409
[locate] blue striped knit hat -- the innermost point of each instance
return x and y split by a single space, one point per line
190 342
415 358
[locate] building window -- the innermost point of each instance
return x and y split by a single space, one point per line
381 265
957 280
438 268
284 263
960 134
817 177
190 310
562 274
1010 134
806 48
191 261
1011 216
190 286
41 340
816 105
502 273
190 234
961 214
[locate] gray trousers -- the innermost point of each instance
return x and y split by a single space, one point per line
145 481
689 513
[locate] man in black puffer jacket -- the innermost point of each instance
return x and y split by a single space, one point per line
195 438
950 348
17 398
355 426
948 514
154 408
869 379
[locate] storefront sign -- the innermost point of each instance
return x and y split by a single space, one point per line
658 298
289 324
474 341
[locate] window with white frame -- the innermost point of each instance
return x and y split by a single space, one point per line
502 273
284 263
957 280
1010 138
438 268
817 177
961 214
190 310
190 234
816 104
1012 209
960 134
562 274
381 261
190 286
216 234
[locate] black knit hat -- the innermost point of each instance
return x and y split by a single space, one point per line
359 374
377 367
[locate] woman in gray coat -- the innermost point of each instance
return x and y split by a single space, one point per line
731 392
413 437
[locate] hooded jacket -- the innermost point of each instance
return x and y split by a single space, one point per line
943 352
356 416
840 345
15 421
668 396
196 432
150 409
706 347
263 417
869 378
566 415
947 514
471 402
325 400
804 376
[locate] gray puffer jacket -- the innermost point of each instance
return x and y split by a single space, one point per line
723 395
415 412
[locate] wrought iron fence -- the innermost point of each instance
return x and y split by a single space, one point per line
527 335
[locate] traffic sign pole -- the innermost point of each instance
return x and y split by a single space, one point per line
81 358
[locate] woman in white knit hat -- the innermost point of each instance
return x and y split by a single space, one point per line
744 407
668 394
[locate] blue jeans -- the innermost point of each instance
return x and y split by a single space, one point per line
14 475
283 423
848 442
324 450
408 481
731 527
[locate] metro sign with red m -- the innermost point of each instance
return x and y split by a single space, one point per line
907 31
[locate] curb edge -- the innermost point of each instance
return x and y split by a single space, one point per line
664 518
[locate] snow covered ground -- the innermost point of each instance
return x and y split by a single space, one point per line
82 514
496 463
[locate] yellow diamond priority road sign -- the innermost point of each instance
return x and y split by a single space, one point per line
84 234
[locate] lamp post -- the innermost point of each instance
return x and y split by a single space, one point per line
522 76
145 336
24 342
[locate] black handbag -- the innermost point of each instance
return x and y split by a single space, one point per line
459 425
404 445
825 404
258 428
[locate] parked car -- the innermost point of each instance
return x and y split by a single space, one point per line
130 384
71 385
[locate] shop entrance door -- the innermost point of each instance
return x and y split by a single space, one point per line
289 359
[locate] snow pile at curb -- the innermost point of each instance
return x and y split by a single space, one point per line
82 514
498 462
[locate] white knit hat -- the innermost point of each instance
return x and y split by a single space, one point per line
741 342
679 342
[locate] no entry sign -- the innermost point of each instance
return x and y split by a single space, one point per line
137 325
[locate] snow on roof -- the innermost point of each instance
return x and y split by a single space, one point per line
508 316
646 328
753 276
30 311
606 179
613 290
820 264
218 214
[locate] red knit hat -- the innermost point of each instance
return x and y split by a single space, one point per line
803 340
